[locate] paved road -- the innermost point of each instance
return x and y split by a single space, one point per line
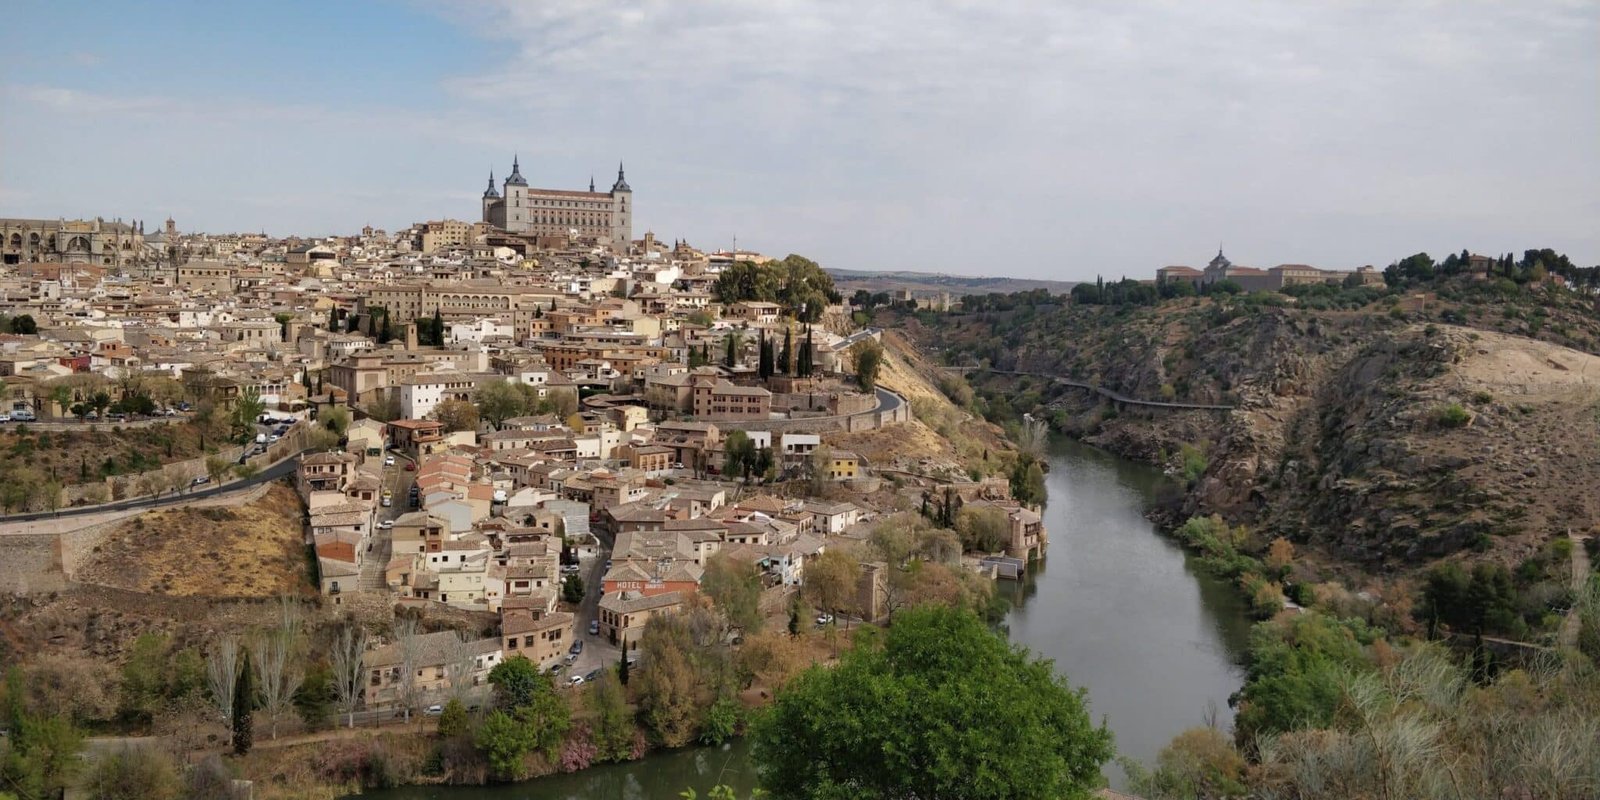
272 473
597 652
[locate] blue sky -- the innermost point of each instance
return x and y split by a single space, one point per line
1042 139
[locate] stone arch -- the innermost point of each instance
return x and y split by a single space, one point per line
16 240
33 239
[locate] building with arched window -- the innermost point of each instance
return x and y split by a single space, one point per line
106 244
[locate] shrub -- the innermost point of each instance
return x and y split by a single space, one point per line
1451 416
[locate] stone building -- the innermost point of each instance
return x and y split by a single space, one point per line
77 241
602 216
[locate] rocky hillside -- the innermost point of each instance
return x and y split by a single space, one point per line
1378 438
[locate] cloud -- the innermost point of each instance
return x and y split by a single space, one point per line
1074 138
915 134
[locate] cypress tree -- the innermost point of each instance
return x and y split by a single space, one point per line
333 319
385 334
244 702
438 329
622 667
786 358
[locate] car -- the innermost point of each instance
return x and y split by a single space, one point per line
594 674
594 627
410 467
433 711
576 680
824 619
274 437
4 417
389 462
388 502
576 648
677 465
569 569
557 668
200 481
387 524
185 407
608 565
117 416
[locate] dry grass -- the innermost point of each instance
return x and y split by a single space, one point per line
254 550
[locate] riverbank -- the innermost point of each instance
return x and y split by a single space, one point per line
1122 610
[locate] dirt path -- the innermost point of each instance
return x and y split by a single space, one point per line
1580 575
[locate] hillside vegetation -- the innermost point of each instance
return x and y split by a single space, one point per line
1379 430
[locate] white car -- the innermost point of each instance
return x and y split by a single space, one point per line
576 680
389 462
387 524
4 417
824 619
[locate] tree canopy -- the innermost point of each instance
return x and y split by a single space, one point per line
797 283
943 707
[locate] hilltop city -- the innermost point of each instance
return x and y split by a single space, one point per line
535 424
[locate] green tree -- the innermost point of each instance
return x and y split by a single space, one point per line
144 677
1027 481
669 705
622 663
738 455
499 401
505 741
217 468
246 411
730 358
453 719
943 708
613 728
244 704
735 587
869 358
786 356
314 698
336 419
23 324
572 589
517 682
983 529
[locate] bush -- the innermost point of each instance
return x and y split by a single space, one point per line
1451 416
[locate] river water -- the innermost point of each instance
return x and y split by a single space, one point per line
1121 609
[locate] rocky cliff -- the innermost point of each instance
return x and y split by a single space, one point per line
1375 438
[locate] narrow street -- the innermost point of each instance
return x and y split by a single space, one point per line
597 652
398 481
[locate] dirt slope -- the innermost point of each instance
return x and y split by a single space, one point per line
254 550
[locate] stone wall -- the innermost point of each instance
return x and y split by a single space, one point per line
30 563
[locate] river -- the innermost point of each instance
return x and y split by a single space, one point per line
1122 611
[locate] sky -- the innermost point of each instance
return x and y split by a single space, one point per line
1058 139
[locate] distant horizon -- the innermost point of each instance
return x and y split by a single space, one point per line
900 136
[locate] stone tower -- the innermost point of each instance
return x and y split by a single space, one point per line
621 212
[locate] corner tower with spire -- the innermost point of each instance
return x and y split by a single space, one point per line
602 217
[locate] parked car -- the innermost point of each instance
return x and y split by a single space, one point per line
389 462
274 437
824 619
433 711
410 467
4 417
576 680
594 674
387 524
576 648
185 407
387 502
594 627
557 668
200 481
